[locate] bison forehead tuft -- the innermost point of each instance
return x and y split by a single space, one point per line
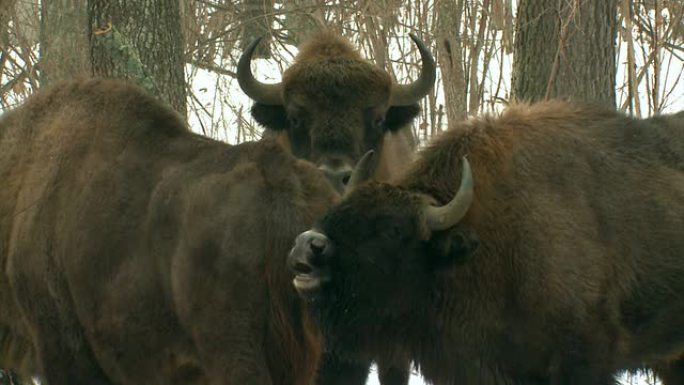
326 44
350 79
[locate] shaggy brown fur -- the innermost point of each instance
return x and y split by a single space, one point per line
578 213
140 253
336 109
326 45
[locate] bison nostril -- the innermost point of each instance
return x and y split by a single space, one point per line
310 253
302 268
318 246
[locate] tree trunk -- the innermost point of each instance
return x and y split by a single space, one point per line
64 41
450 57
302 17
137 40
5 14
5 8
256 16
565 49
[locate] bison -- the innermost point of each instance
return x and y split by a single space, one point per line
332 106
141 253
541 246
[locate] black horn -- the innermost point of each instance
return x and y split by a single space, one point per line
260 92
408 94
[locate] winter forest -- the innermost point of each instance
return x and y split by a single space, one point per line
624 54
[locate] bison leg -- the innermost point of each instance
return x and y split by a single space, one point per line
336 371
394 373
66 359
60 347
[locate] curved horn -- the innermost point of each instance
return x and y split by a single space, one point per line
408 94
362 171
444 217
260 92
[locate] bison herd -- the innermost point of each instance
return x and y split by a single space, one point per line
543 245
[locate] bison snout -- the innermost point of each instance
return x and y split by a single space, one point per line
308 260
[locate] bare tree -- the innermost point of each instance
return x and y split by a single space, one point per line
450 57
98 37
301 17
154 35
257 16
472 40
565 48
5 8
18 34
653 32
64 39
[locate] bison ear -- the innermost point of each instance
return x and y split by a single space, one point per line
452 247
273 117
400 116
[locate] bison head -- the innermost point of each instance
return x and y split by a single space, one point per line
332 105
372 259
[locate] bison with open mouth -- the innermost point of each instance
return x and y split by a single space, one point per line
542 246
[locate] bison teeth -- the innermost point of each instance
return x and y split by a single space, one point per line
306 282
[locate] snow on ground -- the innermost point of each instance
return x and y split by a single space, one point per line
625 379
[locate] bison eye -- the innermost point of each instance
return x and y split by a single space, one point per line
379 122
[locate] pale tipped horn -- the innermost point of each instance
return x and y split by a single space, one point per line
259 92
363 171
408 94
444 217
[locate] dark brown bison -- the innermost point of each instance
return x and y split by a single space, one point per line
559 259
141 253
332 106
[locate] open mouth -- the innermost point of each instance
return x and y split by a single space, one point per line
306 283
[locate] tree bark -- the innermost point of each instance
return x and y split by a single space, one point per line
64 41
153 28
450 58
5 8
256 16
565 49
136 40
5 14
302 17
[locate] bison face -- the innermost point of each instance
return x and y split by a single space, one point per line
332 106
373 259
332 123
363 266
